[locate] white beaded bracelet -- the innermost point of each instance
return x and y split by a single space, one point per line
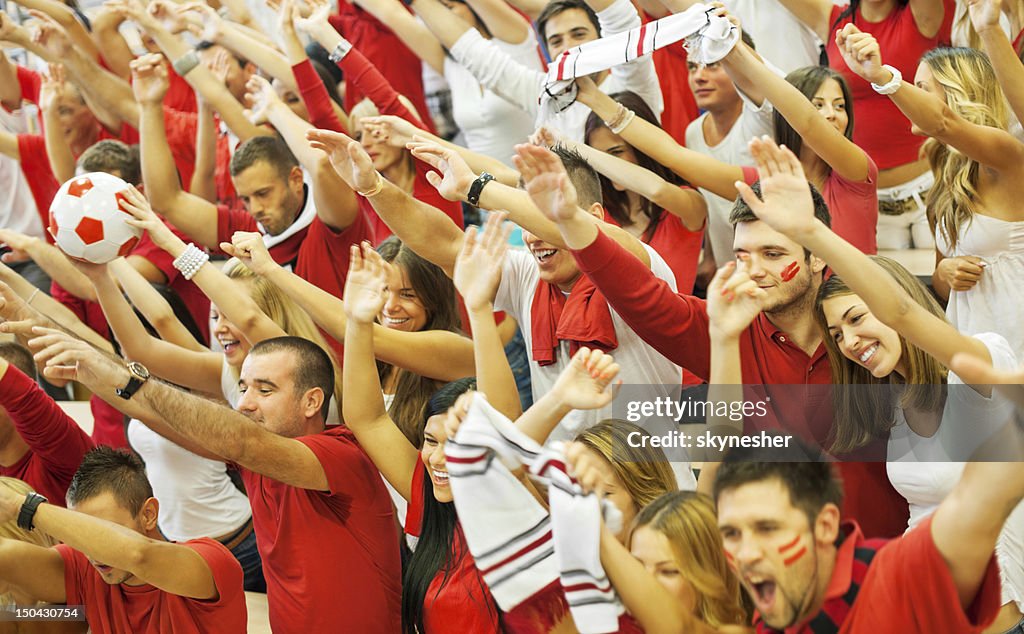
190 261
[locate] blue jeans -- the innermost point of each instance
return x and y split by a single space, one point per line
519 360
252 565
1016 629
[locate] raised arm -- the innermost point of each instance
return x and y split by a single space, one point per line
413 33
204 170
364 410
191 214
154 308
477 276
323 111
66 18
698 169
1009 70
114 50
62 161
993 147
53 262
687 204
787 208
10 89
814 14
36 570
752 76
436 354
336 203
220 430
425 229
504 22
171 567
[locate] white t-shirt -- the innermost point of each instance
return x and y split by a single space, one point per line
778 35
197 498
753 121
491 125
640 363
17 206
919 467
522 86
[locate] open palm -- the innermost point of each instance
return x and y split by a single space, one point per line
365 286
583 383
785 203
479 264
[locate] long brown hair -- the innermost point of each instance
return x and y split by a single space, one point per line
689 523
808 80
972 91
437 294
643 469
863 415
615 201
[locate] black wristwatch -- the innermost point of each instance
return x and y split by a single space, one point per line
477 188
139 376
28 510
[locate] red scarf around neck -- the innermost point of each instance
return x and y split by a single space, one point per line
583 319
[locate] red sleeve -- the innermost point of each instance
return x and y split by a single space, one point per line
675 325
361 73
30 82
50 433
226 571
314 95
909 587
76 569
35 165
414 513
348 469
231 220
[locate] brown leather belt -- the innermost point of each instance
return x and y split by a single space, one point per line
234 539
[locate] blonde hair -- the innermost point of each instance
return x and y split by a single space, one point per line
689 523
11 530
973 93
863 415
643 469
282 311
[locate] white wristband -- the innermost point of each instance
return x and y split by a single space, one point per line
893 84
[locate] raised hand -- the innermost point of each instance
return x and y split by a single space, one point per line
149 78
53 87
17 315
52 37
9 29
316 23
586 90
583 383
548 137
547 182
734 300
787 206
249 248
133 203
984 14
71 359
202 21
261 96
861 52
19 245
395 131
590 469
456 178
348 157
479 264
168 14
366 285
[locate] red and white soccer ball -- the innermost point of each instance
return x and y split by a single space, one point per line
86 219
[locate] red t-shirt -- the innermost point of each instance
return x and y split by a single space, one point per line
387 52
330 558
180 95
908 588
881 128
463 603
35 165
143 609
676 325
679 246
854 208
56 443
108 423
670 63
317 254
181 137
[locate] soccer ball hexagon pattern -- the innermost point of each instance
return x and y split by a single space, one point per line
86 219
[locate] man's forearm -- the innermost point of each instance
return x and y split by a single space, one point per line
102 541
55 264
424 228
106 89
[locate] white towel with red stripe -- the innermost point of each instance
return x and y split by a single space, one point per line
518 547
708 38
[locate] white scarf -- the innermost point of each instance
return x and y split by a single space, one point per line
708 38
301 223
512 537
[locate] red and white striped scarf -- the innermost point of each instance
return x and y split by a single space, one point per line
518 547
708 38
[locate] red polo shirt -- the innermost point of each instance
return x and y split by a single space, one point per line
676 325
906 587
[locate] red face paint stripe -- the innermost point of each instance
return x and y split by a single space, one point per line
790 272
789 561
796 540
728 555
